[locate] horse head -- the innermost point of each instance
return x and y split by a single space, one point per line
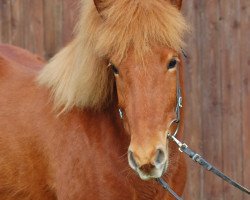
146 85
147 100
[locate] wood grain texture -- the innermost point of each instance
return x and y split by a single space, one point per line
231 94
193 128
245 85
211 98
53 20
34 32
217 78
70 17
18 22
27 24
5 21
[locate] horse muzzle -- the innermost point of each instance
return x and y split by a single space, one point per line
149 167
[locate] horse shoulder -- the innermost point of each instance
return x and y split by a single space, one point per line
24 167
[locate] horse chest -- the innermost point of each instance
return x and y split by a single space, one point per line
107 185
100 175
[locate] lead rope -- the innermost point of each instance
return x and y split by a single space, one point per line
192 154
205 164
167 187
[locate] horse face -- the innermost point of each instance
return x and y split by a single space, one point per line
147 98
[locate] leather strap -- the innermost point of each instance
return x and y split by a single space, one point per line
197 158
167 187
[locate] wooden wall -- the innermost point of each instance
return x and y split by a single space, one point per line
41 26
217 79
218 95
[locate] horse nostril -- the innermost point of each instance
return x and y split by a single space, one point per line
131 160
160 157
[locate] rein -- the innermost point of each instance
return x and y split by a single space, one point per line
183 148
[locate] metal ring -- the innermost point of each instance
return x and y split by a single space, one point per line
175 121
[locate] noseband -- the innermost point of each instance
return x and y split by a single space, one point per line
183 148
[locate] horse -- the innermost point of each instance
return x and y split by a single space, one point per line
91 123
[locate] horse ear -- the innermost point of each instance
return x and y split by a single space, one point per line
176 3
98 5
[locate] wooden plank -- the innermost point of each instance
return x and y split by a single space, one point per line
5 21
211 98
33 29
18 23
193 128
245 84
25 24
70 17
52 26
231 94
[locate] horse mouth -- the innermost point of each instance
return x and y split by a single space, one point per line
153 174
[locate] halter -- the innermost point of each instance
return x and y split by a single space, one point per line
183 148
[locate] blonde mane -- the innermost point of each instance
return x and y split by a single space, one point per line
78 75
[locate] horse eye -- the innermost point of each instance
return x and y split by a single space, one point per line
114 69
172 64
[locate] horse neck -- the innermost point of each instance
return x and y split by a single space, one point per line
110 125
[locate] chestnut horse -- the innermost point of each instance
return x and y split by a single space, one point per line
61 136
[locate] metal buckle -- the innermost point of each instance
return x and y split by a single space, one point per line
195 157
180 102
183 145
